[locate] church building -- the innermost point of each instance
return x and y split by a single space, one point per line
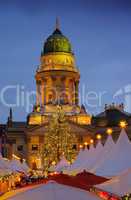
57 85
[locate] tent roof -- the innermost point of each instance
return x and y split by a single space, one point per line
82 156
16 165
55 191
109 145
4 163
116 160
120 185
62 164
94 155
86 159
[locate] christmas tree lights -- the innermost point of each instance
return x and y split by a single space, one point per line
59 140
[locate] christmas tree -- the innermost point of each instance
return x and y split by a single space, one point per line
59 140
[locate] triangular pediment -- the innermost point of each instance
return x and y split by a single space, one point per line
37 130
75 128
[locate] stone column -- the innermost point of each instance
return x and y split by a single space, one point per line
73 93
38 93
76 92
37 96
44 91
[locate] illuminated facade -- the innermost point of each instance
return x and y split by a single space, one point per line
57 82
57 85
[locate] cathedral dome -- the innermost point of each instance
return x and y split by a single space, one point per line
57 42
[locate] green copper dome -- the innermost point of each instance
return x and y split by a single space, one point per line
57 42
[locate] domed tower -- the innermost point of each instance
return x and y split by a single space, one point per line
57 78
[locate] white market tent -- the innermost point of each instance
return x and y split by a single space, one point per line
117 160
94 156
63 164
120 185
87 161
3 163
54 191
82 156
108 146
76 166
4 166
7 167
16 165
25 167
92 149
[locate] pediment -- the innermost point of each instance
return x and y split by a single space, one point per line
37 130
41 129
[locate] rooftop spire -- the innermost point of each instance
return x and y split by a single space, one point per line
10 118
57 26
10 114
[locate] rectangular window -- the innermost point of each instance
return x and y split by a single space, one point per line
20 148
34 147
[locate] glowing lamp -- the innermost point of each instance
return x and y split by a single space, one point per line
123 124
98 136
19 179
81 146
53 163
109 131
104 195
91 141
85 143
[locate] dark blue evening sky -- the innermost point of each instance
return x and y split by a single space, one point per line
100 33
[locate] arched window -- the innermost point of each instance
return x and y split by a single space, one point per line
52 97
64 99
